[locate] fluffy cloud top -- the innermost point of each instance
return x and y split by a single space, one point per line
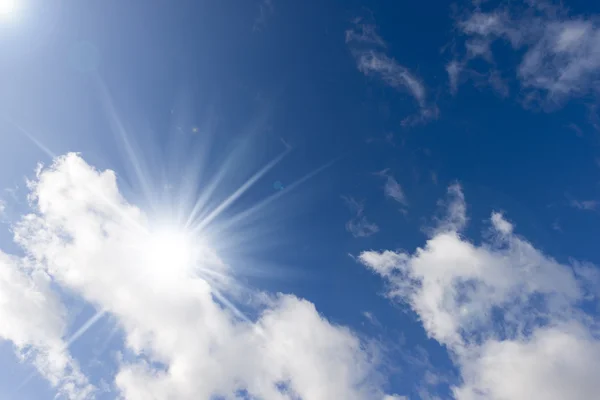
509 314
188 341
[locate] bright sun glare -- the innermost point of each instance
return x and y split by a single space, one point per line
7 7
170 250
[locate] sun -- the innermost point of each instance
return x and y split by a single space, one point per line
170 255
7 7
170 250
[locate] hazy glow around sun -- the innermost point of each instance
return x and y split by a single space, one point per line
171 250
7 7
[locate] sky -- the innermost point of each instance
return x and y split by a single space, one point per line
299 200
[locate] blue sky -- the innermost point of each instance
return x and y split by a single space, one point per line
307 200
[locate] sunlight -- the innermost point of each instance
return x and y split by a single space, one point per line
7 7
171 252
170 241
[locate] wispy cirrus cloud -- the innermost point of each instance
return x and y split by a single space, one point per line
559 53
359 225
509 314
369 51
265 11
392 189
364 34
586 205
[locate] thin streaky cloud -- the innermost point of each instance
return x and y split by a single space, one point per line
265 11
586 205
364 34
368 49
359 226
392 189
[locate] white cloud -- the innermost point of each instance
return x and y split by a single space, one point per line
372 319
455 212
395 397
459 72
359 225
453 68
498 83
392 188
364 33
33 319
394 191
554 363
366 46
560 53
500 224
587 205
508 313
575 128
290 344
189 342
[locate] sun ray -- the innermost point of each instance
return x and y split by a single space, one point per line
240 191
102 348
54 156
207 193
188 209
222 299
119 129
32 138
225 167
84 328
249 212
72 339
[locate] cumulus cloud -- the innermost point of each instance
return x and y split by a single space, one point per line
359 225
187 340
368 49
559 54
33 319
510 315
